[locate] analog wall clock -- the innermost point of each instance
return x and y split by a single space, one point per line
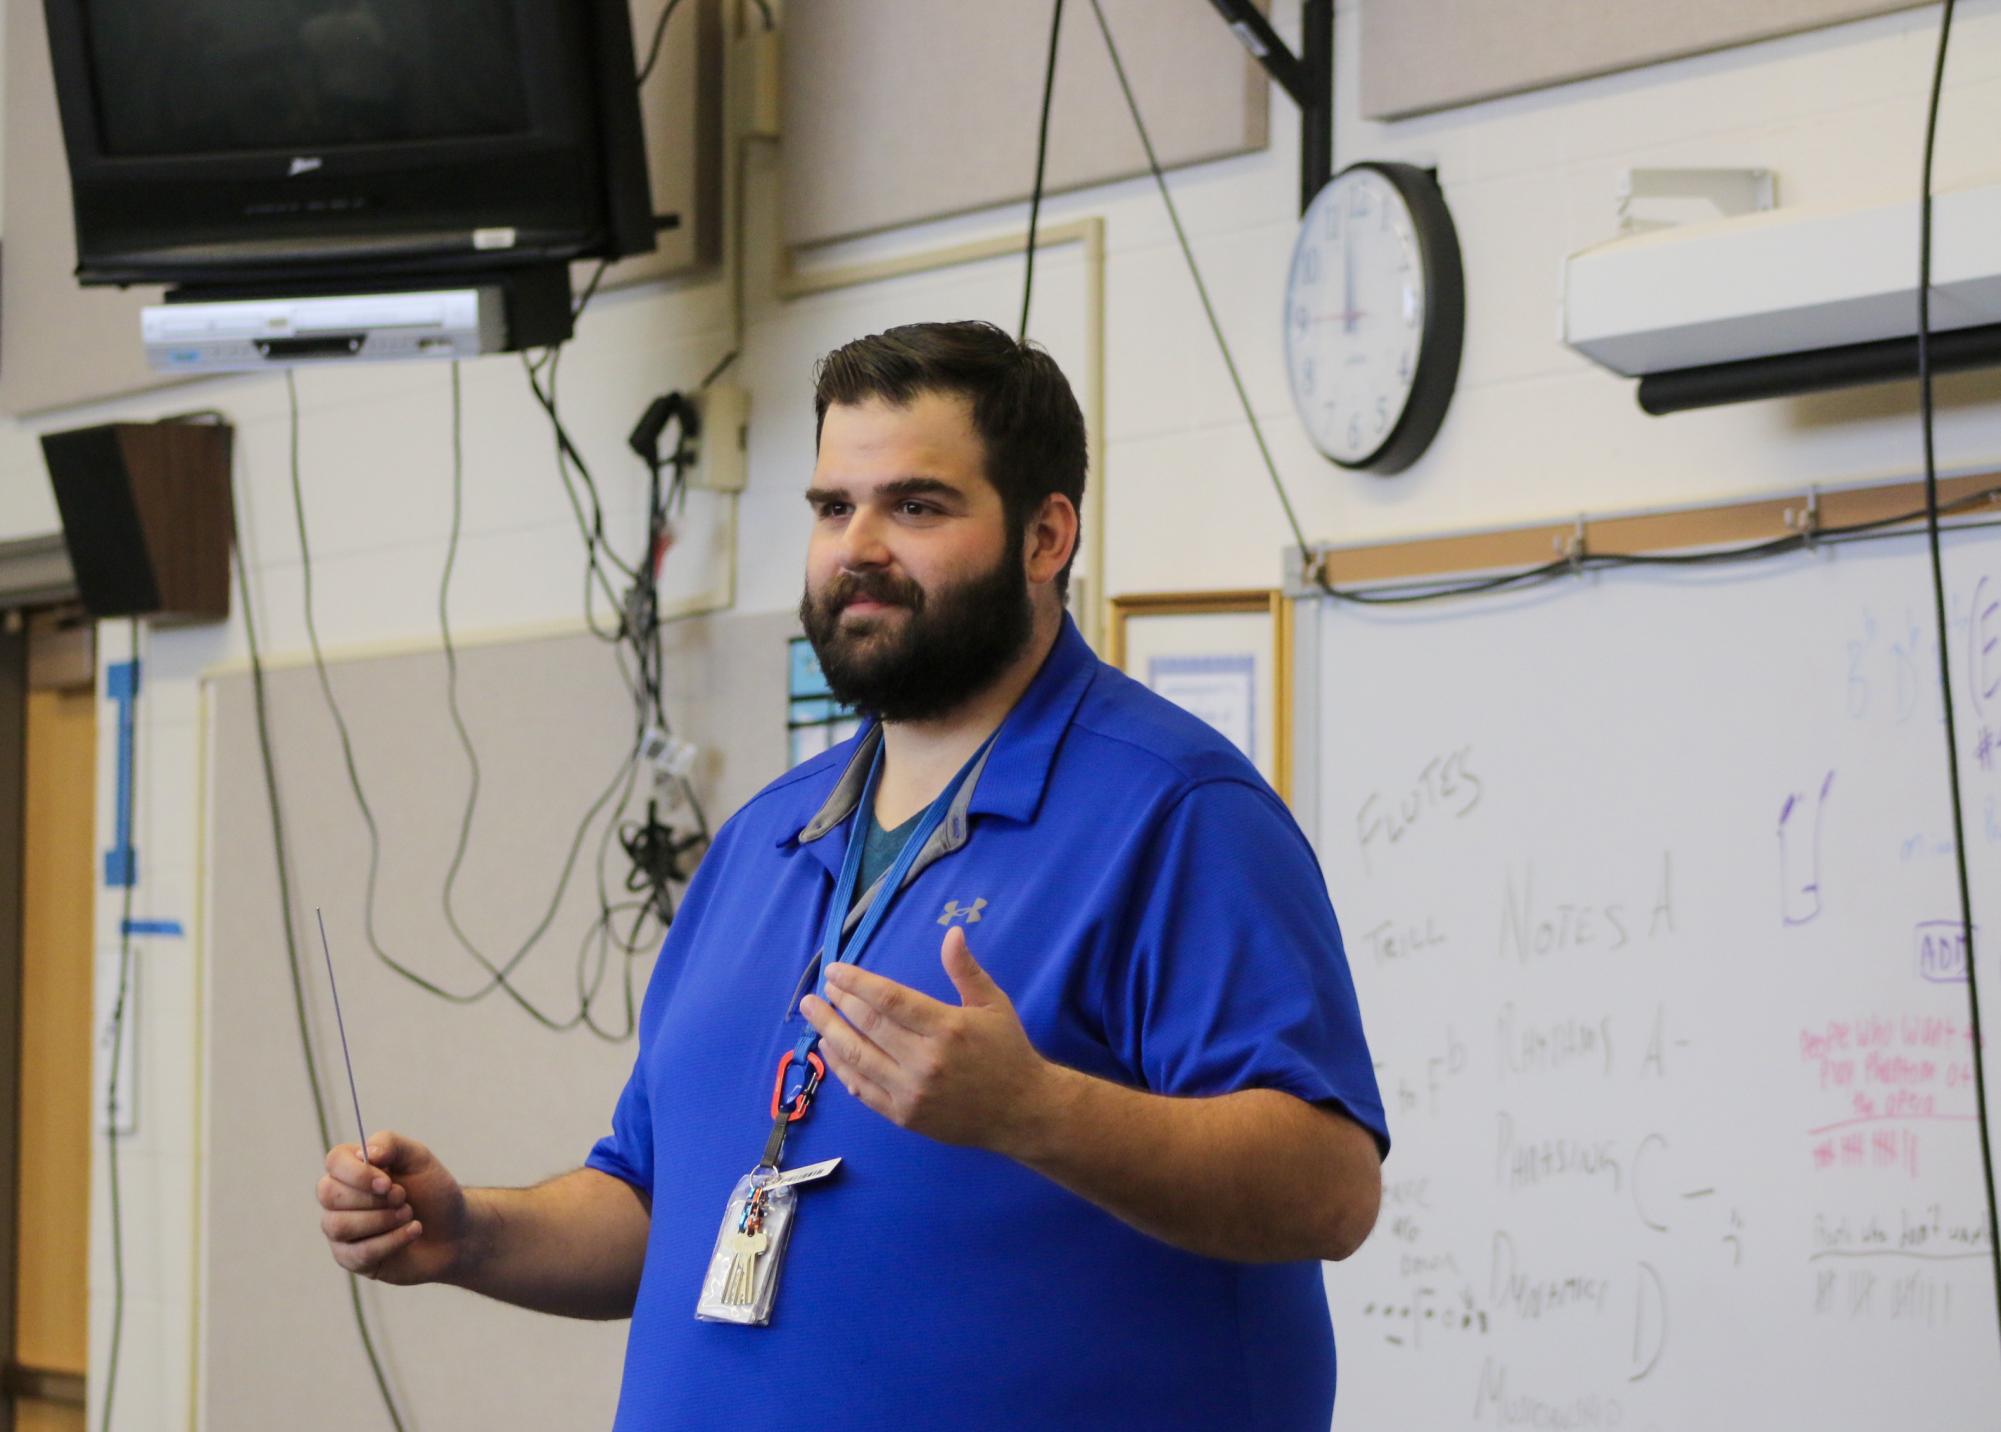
1375 308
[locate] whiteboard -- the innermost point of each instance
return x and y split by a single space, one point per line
1647 885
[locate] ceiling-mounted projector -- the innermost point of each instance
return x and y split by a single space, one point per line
1789 300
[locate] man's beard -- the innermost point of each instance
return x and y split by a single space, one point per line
956 640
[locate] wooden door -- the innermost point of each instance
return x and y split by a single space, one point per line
53 1128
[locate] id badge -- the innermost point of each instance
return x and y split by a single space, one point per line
750 1248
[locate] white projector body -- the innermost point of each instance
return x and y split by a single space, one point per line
240 334
1779 282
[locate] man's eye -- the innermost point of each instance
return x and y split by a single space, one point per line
914 508
833 509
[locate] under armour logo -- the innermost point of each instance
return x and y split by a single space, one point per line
971 914
303 165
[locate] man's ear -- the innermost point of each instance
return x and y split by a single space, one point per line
1051 538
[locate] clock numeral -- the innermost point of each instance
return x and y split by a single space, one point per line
1309 266
1355 431
1382 414
1302 321
1403 365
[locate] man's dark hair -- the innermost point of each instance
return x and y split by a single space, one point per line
1027 419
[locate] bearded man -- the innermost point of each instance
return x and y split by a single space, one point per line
1094 1073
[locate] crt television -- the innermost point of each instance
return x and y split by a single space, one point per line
243 142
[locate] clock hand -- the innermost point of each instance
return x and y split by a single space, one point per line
1348 314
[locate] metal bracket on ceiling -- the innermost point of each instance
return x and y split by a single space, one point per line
1308 77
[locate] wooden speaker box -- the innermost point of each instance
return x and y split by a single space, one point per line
146 516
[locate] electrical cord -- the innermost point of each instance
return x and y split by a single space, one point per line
1041 158
1195 272
659 34
645 617
497 974
1405 594
1944 644
722 366
638 626
282 865
592 527
118 1050
568 456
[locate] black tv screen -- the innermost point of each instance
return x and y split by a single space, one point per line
230 141
218 76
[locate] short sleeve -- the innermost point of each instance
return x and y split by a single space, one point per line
1234 975
627 1151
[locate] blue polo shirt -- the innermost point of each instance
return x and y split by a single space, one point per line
1159 920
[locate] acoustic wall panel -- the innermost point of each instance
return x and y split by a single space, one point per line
1423 55
897 111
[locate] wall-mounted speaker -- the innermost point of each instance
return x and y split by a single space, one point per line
146 516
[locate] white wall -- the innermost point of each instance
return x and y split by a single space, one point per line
1534 433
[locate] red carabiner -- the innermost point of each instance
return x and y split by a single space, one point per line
805 1095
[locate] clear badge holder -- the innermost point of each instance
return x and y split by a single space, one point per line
742 1280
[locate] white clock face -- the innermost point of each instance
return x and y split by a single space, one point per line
1354 315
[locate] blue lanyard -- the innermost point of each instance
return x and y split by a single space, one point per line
790 1105
831 948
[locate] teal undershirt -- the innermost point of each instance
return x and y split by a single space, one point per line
879 851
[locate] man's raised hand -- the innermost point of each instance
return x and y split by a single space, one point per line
961 1074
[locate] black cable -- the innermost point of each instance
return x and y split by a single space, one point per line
567 457
592 527
638 621
283 867
1405 594
583 301
590 292
722 366
659 33
118 1042
1195 272
498 975
1944 644
655 854
1041 158
452 664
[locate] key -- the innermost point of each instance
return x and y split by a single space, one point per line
740 1287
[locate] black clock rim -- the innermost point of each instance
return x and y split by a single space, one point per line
1444 319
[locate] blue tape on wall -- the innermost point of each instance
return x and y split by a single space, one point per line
154 927
121 862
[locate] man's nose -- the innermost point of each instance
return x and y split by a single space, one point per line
861 541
